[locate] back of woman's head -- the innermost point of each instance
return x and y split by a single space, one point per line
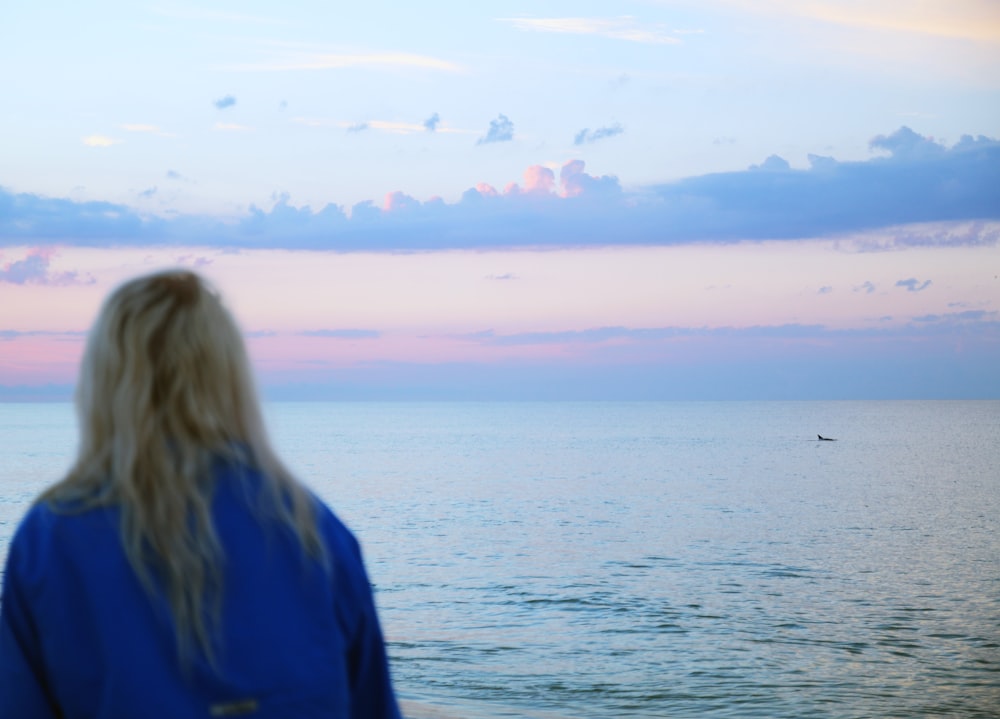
165 362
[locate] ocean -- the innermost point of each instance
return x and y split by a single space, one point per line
651 559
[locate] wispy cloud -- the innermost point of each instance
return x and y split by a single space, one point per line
149 129
960 319
586 135
35 269
231 127
602 335
620 335
225 102
394 127
913 284
11 335
346 334
501 130
962 19
620 28
100 141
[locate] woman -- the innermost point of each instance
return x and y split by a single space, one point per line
179 570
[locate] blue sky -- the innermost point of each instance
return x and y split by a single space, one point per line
661 199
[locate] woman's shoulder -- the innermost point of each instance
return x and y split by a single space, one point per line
47 517
51 535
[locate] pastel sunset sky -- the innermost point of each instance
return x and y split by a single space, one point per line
712 199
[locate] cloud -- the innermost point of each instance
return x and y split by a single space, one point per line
914 285
866 287
100 141
147 193
825 290
988 322
11 335
621 28
148 129
906 144
432 122
960 319
576 183
390 126
224 102
907 195
586 135
396 128
771 200
603 335
231 127
772 164
193 261
347 334
34 270
963 19
501 130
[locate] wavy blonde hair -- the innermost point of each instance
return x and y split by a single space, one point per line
165 393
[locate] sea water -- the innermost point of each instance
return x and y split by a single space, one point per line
585 560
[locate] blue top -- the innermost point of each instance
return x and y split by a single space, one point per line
81 637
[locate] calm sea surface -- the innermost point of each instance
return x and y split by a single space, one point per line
584 560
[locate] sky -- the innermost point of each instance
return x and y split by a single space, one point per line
721 199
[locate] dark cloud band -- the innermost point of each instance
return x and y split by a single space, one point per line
913 180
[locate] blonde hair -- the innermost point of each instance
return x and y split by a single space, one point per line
165 393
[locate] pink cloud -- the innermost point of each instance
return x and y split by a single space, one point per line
539 179
575 181
395 201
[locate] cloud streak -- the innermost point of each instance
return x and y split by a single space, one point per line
914 285
986 322
621 28
586 135
346 334
961 19
913 192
